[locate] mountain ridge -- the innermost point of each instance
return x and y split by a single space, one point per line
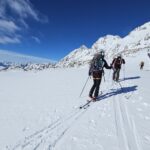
137 39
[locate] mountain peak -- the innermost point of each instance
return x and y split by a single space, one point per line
83 47
137 40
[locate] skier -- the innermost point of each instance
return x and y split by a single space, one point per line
149 55
96 70
116 64
141 65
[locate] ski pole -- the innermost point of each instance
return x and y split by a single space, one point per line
121 86
124 71
104 76
84 86
109 74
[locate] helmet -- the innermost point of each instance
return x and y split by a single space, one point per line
119 56
101 54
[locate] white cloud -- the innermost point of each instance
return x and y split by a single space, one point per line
2 8
8 26
23 8
36 39
13 19
6 40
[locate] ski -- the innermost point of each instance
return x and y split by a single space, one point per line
87 104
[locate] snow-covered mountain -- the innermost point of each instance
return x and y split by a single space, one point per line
11 60
7 56
136 40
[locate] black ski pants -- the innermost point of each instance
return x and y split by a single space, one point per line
95 88
116 74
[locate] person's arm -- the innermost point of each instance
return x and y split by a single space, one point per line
106 65
123 61
113 62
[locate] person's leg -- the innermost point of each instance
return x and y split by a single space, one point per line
98 81
141 67
117 74
114 74
93 88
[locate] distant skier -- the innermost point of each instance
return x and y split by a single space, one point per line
116 64
96 70
148 55
141 65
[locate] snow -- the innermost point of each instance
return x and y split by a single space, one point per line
40 110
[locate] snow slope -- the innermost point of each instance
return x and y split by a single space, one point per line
40 111
136 40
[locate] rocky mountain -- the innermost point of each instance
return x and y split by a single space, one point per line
136 40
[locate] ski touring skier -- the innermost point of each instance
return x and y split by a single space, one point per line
96 70
116 64
141 65
148 54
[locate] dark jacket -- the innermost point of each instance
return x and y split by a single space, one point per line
117 62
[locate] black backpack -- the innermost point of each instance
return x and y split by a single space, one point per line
98 64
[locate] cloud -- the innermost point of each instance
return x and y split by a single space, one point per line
22 8
13 19
6 40
8 26
36 39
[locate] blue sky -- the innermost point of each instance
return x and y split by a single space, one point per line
53 28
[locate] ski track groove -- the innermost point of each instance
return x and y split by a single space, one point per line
123 124
137 139
129 136
35 140
63 133
123 144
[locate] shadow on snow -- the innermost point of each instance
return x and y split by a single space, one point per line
115 92
130 78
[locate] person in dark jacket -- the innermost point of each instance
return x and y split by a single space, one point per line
141 65
149 55
116 64
97 65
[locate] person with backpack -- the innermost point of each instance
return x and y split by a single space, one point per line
96 70
116 64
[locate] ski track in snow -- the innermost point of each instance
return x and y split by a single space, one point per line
126 130
47 138
125 127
